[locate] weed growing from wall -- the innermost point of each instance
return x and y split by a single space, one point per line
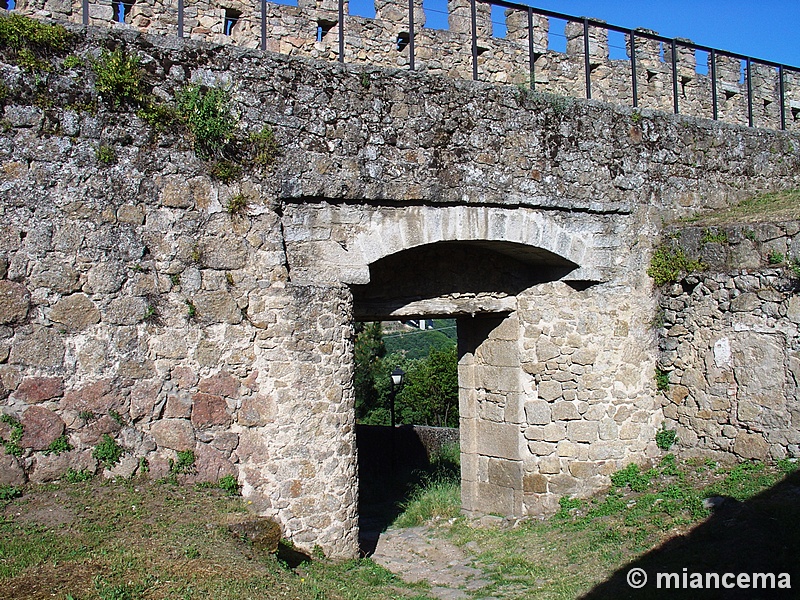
108 452
668 265
207 114
105 155
662 380
665 438
32 42
119 78
59 445
237 205
12 445
775 258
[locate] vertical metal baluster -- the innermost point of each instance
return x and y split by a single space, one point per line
474 19
85 10
633 70
411 34
180 18
749 92
714 83
675 76
531 56
341 31
782 92
263 24
586 64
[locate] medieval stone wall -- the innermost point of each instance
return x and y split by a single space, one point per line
133 304
311 29
730 342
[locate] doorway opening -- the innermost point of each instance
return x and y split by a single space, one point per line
471 286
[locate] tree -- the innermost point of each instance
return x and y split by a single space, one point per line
430 393
369 350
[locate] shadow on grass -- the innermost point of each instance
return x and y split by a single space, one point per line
391 466
761 535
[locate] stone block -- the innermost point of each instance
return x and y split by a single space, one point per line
550 465
541 448
42 347
262 533
209 410
567 449
582 431
221 384
537 413
34 390
506 473
582 469
11 471
546 350
184 377
175 434
534 483
565 411
217 307
584 356
554 432
256 411
500 440
144 397
75 312
15 300
549 390
496 499
211 464
563 484
98 397
40 428
751 446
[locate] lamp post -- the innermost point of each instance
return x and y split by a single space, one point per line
397 381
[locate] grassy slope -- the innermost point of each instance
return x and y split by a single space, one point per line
773 207
134 540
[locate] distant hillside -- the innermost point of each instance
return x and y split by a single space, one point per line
416 343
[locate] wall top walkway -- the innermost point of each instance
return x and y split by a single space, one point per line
488 40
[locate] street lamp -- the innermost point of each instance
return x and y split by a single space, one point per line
397 381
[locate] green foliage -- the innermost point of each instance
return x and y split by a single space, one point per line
158 115
665 438
229 485
117 417
794 266
775 258
17 31
636 117
119 78
8 492
437 492
750 235
430 393
369 350
668 265
12 445
29 61
225 170
744 481
662 380
59 445
175 279
714 237
86 415
417 343
118 591
184 464
237 204
207 114
72 61
264 146
105 155
107 452
633 477
74 476
365 80
151 314
191 309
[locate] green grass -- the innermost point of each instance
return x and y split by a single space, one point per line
771 207
668 265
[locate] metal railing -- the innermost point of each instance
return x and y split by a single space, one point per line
631 36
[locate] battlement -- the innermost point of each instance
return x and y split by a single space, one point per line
747 91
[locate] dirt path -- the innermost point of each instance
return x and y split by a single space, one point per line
416 554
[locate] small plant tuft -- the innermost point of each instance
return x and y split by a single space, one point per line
119 78
59 445
117 417
237 205
105 155
365 80
668 265
192 309
184 463
12 445
264 146
8 493
108 452
636 117
225 170
662 380
711 236
73 61
665 438
229 485
74 476
207 115
633 477
775 258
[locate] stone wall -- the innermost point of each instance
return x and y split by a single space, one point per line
133 304
311 29
730 342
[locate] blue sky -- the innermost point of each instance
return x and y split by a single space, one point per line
767 29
